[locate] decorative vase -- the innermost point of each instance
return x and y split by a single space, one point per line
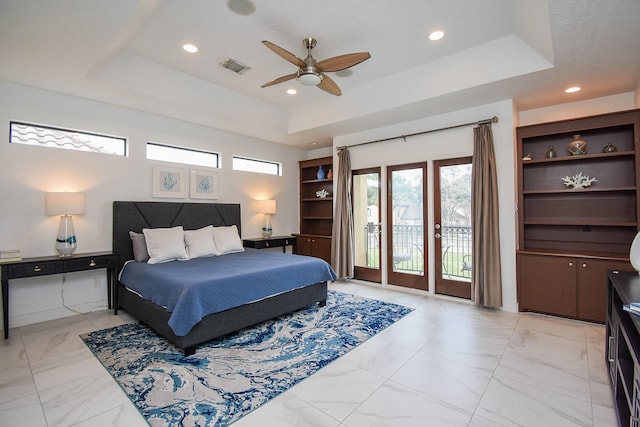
577 147
321 174
330 174
551 153
609 148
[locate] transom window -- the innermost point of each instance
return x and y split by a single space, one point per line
189 156
54 137
258 166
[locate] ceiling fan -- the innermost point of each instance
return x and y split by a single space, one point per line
312 73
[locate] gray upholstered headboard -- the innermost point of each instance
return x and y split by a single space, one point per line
134 216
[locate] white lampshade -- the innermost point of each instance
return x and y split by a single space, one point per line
65 203
634 253
267 207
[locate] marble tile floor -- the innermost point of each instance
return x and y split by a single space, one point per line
448 363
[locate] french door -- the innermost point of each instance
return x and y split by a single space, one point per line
452 223
367 223
406 214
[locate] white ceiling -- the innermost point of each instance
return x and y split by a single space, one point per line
128 53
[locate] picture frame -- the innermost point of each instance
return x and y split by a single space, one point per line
204 184
169 182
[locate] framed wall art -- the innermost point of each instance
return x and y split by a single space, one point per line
169 182
204 184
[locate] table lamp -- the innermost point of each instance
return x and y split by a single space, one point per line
268 208
65 205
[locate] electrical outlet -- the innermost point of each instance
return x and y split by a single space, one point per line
97 282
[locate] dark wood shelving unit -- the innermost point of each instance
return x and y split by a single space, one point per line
316 213
569 237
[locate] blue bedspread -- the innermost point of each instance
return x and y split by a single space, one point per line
192 289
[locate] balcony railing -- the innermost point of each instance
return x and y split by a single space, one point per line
409 246
456 252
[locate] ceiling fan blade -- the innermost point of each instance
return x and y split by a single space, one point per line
285 54
342 62
329 85
280 80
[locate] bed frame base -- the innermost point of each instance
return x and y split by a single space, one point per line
219 324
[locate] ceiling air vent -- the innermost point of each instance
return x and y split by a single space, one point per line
235 66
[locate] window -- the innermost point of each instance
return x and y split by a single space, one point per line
258 166
45 136
189 156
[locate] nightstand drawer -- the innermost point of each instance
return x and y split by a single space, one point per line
270 242
89 263
32 269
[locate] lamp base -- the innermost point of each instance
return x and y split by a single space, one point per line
267 230
66 242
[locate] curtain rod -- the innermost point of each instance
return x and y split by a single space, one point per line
493 119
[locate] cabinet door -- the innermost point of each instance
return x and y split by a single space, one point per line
303 246
592 287
547 284
321 248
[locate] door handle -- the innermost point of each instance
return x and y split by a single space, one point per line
437 235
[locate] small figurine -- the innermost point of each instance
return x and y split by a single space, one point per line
527 157
609 148
551 153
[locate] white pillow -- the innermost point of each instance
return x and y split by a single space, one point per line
165 244
200 242
227 240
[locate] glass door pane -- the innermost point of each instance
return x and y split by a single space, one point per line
366 221
405 225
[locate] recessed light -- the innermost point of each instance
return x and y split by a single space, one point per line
292 91
436 35
572 89
191 48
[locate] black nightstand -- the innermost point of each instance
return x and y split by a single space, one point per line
271 242
46 265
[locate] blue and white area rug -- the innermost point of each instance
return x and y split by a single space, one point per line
230 377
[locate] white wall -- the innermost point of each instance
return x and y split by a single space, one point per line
443 145
28 172
570 110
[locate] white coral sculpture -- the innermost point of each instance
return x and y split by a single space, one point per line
578 181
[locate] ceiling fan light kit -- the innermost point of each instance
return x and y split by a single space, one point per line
312 73
309 78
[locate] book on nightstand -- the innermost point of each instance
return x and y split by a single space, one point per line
10 255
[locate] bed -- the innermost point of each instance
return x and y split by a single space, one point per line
136 216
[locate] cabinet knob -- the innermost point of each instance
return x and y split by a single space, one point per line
570 264
584 265
37 269
266 243
92 263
